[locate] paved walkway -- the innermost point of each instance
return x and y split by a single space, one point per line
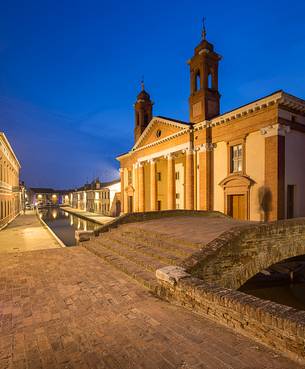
26 233
65 308
98 218
193 228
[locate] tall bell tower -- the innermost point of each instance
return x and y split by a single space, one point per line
204 100
143 112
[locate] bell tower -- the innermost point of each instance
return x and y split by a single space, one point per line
143 112
204 100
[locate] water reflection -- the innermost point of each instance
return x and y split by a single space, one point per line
283 283
64 224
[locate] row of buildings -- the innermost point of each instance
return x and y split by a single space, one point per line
98 197
12 193
247 163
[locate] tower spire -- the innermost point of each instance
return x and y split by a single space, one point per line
204 31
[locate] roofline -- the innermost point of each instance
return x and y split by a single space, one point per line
2 134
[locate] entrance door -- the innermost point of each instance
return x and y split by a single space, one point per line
290 201
236 208
130 204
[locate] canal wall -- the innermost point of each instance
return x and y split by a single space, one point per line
280 327
237 255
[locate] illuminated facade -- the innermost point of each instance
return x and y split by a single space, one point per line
10 194
98 197
247 163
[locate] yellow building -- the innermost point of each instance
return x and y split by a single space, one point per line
10 195
247 163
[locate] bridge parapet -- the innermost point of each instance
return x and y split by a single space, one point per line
280 327
237 255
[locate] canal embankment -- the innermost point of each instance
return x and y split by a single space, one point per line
87 215
26 233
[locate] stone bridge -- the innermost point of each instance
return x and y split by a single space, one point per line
237 255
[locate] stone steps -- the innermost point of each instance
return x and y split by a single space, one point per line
176 247
165 256
127 266
147 262
139 253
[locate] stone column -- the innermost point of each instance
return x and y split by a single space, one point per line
153 186
206 176
189 180
122 190
171 183
273 205
141 187
136 188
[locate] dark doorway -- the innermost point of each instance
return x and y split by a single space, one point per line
130 198
236 207
159 205
290 201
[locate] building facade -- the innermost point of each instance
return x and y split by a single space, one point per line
98 197
247 163
10 194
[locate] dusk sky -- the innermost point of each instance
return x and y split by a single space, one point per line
70 72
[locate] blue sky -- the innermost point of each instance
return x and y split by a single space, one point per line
70 72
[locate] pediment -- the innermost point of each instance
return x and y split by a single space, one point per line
159 129
237 180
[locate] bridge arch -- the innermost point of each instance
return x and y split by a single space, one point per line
237 255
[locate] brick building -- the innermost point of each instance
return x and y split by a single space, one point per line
11 200
247 163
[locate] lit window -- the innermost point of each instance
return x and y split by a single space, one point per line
236 158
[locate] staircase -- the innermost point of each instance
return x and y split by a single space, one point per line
138 252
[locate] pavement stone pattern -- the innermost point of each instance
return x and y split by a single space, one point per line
66 308
192 229
26 233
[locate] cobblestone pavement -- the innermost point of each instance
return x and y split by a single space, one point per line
66 308
26 233
190 228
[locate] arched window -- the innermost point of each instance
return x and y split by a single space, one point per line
197 81
146 118
210 81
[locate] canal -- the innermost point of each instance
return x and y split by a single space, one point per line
64 224
277 286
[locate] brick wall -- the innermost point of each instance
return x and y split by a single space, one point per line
237 255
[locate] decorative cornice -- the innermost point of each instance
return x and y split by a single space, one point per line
206 147
275 130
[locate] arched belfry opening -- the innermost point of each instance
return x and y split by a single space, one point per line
143 112
197 81
204 100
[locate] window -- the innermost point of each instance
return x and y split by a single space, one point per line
158 133
177 195
177 205
159 176
159 205
210 82
197 81
236 158
177 176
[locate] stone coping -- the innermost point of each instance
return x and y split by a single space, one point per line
150 215
280 327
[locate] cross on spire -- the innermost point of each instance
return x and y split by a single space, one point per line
204 31
142 83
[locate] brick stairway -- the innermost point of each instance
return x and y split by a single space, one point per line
139 252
